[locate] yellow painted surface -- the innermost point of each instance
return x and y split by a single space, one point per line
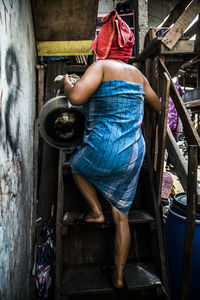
64 48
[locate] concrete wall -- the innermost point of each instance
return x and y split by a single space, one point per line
141 23
105 6
17 112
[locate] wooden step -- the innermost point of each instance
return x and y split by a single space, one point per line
90 279
135 217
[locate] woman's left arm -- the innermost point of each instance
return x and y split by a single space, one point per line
86 86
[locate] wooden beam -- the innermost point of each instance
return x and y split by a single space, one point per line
191 104
192 30
191 134
181 24
64 48
59 216
35 178
174 68
162 253
197 41
175 13
181 47
147 112
162 131
190 62
150 116
176 158
190 222
155 74
40 101
149 50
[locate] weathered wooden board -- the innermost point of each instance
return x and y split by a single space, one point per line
177 159
63 20
175 13
191 104
162 132
40 101
59 216
181 47
66 48
181 24
150 116
190 222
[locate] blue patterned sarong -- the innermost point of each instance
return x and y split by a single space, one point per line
113 148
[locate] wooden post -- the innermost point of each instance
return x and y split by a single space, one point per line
190 221
151 68
148 66
162 251
59 217
157 88
40 101
147 117
177 159
191 134
162 132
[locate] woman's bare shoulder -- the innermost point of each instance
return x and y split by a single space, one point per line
136 74
118 70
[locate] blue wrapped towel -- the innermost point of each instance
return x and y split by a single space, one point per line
113 147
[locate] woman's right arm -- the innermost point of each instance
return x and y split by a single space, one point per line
80 92
151 97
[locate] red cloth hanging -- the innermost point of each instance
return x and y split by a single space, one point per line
115 39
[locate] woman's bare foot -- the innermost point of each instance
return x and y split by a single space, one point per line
118 282
94 217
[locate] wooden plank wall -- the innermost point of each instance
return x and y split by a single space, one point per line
63 20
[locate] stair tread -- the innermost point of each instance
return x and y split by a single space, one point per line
90 279
135 216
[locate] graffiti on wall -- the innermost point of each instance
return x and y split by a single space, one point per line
10 124
11 167
13 81
11 159
16 126
5 15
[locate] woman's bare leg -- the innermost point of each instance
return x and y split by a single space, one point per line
122 241
89 193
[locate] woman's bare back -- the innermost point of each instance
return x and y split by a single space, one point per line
118 70
105 70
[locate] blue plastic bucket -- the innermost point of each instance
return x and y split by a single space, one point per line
174 237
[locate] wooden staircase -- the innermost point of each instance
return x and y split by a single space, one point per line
82 250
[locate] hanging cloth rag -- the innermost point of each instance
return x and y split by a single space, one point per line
115 39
